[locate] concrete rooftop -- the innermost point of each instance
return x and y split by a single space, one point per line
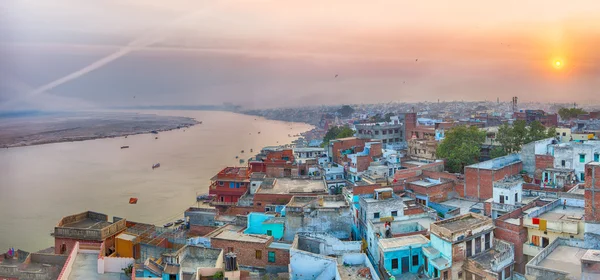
86 267
199 257
350 272
568 214
497 163
389 244
285 186
88 223
238 236
462 222
463 205
565 258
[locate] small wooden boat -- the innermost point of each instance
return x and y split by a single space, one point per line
251 150
236 157
155 137
178 222
157 165
242 151
200 122
133 200
168 225
124 147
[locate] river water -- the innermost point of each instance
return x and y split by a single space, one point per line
41 184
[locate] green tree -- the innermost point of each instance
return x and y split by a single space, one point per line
536 131
513 137
497 152
461 147
569 113
388 117
551 132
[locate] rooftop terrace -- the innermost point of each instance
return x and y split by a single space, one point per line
390 244
497 163
288 186
232 173
462 222
237 236
565 258
86 267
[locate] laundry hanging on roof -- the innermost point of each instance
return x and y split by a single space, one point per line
536 221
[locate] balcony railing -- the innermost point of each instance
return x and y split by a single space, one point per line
531 250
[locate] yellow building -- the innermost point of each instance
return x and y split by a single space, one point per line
564 134
126 245
566 222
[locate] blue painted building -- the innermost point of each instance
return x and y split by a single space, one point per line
402 255
266 224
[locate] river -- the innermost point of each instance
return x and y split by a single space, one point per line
41 184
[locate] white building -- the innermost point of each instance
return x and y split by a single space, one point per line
575 155
508 191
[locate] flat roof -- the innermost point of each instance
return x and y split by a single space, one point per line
462 222
85 266
238 236
414 162
350 272
568 214
285 186
388 244
279 245
463 205
565 258
497 163
591 256
88 223
424 183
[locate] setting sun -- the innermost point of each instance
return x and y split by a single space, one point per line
557 63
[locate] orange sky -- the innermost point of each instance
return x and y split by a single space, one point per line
467 49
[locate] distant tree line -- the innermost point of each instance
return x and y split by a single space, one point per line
570 113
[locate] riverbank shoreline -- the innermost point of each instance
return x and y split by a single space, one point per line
20 132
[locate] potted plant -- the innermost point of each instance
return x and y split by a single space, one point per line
128 270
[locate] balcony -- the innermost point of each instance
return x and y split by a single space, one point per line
559 226
531 250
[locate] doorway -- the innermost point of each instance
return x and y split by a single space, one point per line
405 264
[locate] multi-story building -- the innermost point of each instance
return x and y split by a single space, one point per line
529 116
574 155
480 177
390 134
561 218
421 149
509 190
401 255
230 184
462 248
89 227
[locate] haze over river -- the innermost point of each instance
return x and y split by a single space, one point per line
40 184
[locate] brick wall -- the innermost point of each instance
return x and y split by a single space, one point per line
363 162
69 244
592 193
436 193
479 182
246 252
338 146
418 170
542 162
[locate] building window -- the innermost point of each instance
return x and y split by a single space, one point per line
231 185
415 259
582 158
562 163
460 275
596 157
395 130
564 134
269 232
230 249
376 215
469 249
446 275
478 245
271 256
376 132
582 176
394 263
220 183
394 213
488 240
258 254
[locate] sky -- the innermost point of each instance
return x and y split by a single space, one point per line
70 54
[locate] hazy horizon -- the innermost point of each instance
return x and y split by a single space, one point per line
96 54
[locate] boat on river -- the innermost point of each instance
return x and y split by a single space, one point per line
156 165
124 147
133 200
168 225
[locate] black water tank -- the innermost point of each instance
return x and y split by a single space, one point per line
230 262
